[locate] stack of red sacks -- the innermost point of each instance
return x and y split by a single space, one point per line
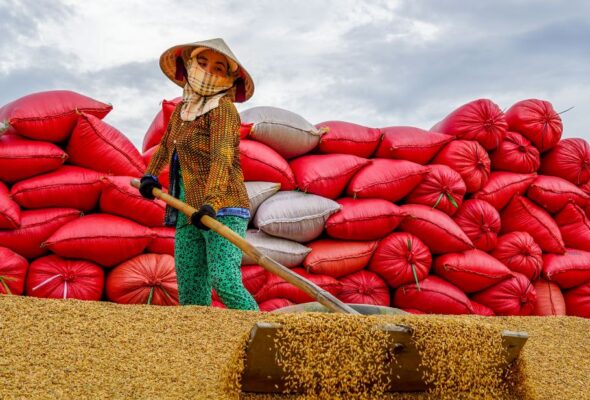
496 225
483 214
70 224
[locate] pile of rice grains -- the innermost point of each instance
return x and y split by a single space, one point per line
78 349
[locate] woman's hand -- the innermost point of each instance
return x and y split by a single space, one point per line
147 184
205 209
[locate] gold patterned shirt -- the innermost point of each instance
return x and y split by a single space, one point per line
209 157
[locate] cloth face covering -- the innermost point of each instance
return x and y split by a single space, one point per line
202 91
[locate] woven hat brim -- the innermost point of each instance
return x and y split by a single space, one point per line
168 65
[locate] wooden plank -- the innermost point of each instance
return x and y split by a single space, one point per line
262 374
513 343
323 296
404 371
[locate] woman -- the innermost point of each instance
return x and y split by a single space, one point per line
201 144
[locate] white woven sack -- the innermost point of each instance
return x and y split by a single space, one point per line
258 192
287 133
295 215
290 254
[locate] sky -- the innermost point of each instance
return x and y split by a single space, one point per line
374 63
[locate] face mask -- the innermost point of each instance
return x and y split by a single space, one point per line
204 83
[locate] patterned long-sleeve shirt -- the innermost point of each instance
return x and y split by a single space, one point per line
208 153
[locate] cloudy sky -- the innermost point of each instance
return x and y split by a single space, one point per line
375 63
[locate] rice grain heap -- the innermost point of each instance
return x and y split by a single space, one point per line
85 349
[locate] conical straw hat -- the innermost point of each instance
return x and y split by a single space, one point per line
172 63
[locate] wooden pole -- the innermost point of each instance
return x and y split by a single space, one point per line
322 296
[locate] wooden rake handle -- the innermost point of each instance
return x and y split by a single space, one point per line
324 297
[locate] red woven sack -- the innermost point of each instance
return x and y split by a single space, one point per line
574 227
338 258
22 159
386 179
120 198
481 223
569 159
469 159
9 210
577 301
443 189
69 186
524 216
245 130
411 144
363 219
154 133
261 163
348 138
277 287
157 128
99 146
254 278
481 120
168 107
53 277
537 121
101 238
163 242
51 115
549 299
274 304
35 227
401 258
326 174
512 296
436 229
480 309
515 154
435 296
13 269
471 271
587 208
567 270
519 252
217 304
164 177
5 128
553 193
215 299
364 287
502 187
145 279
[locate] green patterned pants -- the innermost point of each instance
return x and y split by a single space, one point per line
206 260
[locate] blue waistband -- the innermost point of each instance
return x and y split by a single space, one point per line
234 212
